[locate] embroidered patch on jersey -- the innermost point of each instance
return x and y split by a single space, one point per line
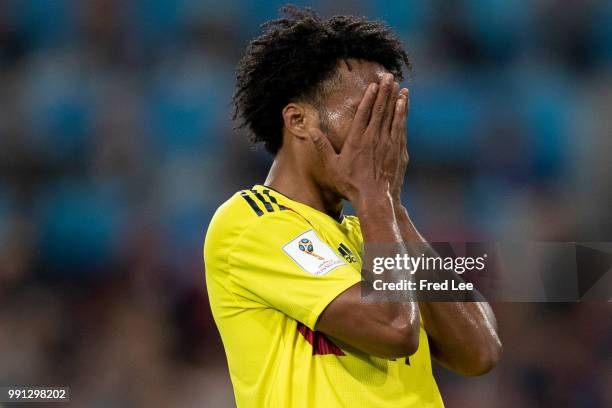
312 254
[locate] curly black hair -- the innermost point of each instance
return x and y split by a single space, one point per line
292 58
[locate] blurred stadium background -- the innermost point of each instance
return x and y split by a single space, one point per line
116 146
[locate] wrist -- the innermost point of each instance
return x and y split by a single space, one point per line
397 204
409 231
399 209
367 204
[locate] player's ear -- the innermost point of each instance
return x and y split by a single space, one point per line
297 118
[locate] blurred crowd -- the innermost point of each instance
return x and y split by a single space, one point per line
117 145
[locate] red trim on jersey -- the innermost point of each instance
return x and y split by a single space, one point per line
320 343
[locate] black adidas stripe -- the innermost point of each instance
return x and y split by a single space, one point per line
348 251
263 200
273 199
249 200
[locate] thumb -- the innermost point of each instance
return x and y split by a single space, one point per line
322 144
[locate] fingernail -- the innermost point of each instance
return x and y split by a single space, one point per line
374 87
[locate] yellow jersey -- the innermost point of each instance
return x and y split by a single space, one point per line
272 267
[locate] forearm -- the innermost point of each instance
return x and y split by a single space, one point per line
463 335
382 238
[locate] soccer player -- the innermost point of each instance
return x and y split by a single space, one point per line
283 265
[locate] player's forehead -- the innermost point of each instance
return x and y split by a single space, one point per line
354 76
360 73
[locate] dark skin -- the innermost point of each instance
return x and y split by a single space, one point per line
361 156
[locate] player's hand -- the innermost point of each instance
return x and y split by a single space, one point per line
366 168
398 132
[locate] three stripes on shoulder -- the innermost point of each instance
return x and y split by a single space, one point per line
261 202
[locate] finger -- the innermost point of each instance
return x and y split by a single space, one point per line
364 110
391 100
378 111
322 144
405 121
399 119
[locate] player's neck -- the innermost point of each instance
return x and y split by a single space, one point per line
292 181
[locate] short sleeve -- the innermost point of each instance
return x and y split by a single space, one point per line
281 261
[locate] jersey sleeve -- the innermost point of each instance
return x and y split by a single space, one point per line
282 262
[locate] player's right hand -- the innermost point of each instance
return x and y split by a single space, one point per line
366 167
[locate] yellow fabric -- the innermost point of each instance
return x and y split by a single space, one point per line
266 306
